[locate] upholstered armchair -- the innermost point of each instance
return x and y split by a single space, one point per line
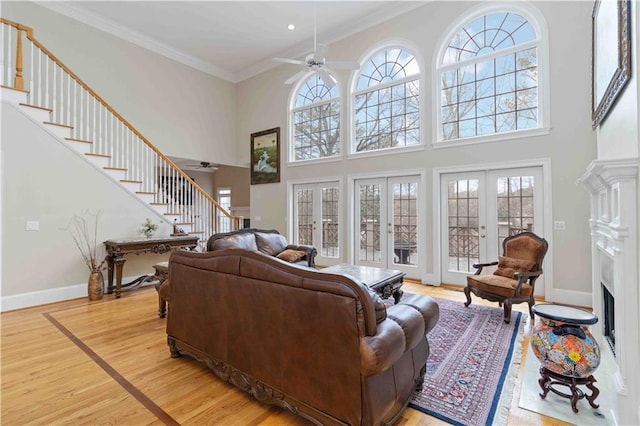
514 279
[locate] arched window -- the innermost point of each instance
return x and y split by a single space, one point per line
387 101
316 120
488 77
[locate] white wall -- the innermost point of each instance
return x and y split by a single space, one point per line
184 112
43 180
618 137
570 144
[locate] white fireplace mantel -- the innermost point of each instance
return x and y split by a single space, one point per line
614 253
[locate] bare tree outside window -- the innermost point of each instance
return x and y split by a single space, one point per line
387 101
489 78
316 120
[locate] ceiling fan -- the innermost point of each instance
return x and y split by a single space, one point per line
203 165
315 62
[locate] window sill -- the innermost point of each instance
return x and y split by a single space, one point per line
540 131
386 151
332 159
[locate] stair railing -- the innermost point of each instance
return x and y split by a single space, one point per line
51 84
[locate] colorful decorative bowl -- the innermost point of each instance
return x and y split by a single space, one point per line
562 342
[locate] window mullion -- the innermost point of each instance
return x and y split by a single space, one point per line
489 56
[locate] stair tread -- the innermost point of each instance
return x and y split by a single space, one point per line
13 88
97 155
58 124
35 106
78 140
157 204
145 192
116 168
130 181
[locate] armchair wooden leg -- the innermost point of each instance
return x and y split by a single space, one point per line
507 311
467 292
531 303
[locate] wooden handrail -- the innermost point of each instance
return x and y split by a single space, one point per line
30 36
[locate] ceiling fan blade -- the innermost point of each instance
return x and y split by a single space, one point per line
297 76
343 65
288 61
321 50
327 78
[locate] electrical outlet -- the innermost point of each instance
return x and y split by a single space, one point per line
559 225
32 225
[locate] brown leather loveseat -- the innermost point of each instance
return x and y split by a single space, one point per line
321 345
267 241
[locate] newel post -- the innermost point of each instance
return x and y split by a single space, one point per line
18 82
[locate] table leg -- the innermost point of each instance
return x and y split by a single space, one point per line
118 262
397 294
109 274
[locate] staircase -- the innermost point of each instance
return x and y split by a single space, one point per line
46 90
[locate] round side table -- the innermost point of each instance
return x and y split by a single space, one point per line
567 351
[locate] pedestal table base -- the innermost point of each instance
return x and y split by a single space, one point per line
550 379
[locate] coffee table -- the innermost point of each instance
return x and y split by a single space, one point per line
385 282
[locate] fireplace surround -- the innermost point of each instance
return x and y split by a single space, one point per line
612 185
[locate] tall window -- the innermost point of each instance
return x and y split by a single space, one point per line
316 120
386 101
224 199
488 76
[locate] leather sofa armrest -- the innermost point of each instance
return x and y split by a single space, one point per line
401 331
383 349
310 251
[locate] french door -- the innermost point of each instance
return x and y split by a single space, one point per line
387 223
479 210
316 215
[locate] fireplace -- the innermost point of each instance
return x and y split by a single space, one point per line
608 320
614 286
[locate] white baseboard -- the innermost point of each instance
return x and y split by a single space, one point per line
430 279
571 297
43 297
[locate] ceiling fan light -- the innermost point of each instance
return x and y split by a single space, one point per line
327 78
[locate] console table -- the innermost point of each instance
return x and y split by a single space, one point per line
117 249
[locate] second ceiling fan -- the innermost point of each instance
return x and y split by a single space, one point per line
315 62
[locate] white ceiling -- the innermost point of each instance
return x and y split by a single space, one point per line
233 40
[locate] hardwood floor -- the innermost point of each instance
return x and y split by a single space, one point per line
107 362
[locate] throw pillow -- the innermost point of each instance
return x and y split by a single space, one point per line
507 266
237 241
270 243
291 255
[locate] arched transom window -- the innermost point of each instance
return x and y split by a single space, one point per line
386 101
316 120
488 77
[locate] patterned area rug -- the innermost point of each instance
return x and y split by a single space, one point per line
472 365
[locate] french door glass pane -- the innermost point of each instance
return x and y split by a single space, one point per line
330 244
405 223
464 235
515 206
304 199
370 223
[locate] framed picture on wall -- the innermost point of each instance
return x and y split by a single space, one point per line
611 55
265 156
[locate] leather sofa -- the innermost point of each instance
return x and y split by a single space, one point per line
321 345
267 241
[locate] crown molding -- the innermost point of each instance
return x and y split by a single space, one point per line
108 26
331 36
